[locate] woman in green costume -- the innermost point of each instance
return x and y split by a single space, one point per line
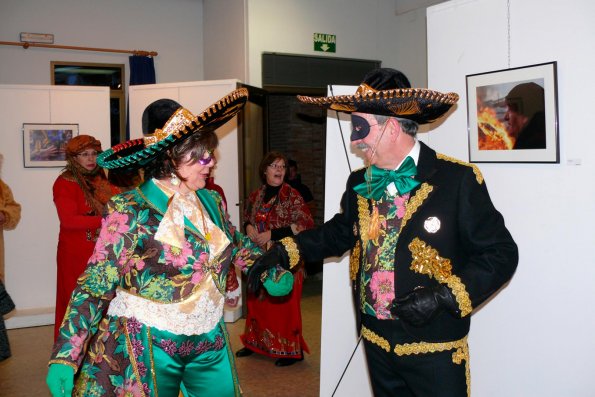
146 317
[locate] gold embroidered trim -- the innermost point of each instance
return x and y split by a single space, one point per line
458 290
408 349
70 364
363 210
152 361
476 171
371 336
179 123
292 250
415 202
460 347
425 260
354 261
132 357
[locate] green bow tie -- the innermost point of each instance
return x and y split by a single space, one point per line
378 179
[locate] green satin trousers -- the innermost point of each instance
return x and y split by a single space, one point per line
199 365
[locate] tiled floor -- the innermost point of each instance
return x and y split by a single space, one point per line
24 373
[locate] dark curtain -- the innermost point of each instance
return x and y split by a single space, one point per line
142 71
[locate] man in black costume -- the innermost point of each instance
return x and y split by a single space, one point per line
427 245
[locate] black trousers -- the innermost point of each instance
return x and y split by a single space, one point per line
432 374
6 306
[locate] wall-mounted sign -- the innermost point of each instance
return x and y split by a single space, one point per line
325 42
46 38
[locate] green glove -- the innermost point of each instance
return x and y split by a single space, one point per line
60 380
279 282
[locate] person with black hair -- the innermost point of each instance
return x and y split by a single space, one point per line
294 179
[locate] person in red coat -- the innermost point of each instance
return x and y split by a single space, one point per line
274 211
80 193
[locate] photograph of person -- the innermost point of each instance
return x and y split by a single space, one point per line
511 116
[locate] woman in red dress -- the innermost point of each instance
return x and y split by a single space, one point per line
274 211
80 193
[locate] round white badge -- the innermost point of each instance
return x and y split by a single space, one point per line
432 224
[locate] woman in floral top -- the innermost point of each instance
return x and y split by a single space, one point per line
146 317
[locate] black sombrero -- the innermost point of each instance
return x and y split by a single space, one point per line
386 92
166 123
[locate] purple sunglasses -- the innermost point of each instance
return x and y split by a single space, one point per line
206 160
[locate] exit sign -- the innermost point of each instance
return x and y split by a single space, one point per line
325 42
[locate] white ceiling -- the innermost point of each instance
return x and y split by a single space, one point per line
403 6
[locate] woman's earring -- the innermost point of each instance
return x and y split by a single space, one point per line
174 180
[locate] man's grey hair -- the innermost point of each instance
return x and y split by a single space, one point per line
409 127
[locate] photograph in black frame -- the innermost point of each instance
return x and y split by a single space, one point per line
44 144
513 115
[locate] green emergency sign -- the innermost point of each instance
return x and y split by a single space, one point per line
325 42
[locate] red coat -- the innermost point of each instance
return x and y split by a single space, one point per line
78 232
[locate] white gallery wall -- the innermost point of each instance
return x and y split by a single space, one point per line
30 249
365 29
172 28
343 371
536 338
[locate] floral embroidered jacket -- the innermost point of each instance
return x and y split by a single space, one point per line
450 233
111 353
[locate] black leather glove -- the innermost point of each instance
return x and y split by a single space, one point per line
276 255
423 304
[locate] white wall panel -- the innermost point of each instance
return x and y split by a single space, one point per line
536 337
31 247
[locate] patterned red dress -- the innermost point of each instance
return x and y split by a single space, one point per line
274 324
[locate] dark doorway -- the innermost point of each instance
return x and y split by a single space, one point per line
299 130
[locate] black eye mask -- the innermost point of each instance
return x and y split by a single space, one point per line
360 128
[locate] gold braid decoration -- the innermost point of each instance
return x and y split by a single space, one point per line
64 362
458 290
425 260
292 250
476 171
354 261
177 125
371 336
408 349
415 202
363 210
461 352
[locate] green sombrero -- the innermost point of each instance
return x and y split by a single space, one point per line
179 124
384 93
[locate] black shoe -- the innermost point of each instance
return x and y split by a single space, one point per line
244 352
284 362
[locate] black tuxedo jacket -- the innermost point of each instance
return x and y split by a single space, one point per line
451 234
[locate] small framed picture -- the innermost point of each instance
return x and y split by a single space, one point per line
513 115
44 144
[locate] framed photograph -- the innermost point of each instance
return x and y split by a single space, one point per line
513 115
44 144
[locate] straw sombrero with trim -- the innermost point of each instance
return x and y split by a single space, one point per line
386 92
166 123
